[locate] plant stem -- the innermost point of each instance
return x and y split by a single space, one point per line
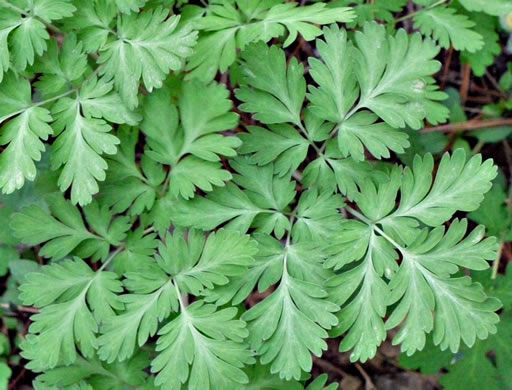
38 104
377 229
111 257
335 130
478 147
408 16
64 94
50 26
149 230
496 264
311 142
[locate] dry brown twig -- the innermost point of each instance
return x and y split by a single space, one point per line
469 125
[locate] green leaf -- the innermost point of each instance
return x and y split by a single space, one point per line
289 325
203 348
318 217
227 29
491 7
503 291
100 375
80 143
475 363
97 100
127 6
278 90
337 90
281 144
483 58
336 94
94 22
144 310
399 95
64 231
259 199
470 370
22 134
149 45
319 384
60 66
377 10
493 212
449 28
20 39
291 322
129 187
304 261
458 185
139 249
5 374
361 291
261 378
191 266
429 258
361 130
160 215
467 315
348 173
49 10
7 254
430 360
73 300
192 149
22 33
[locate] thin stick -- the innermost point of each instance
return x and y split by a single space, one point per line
469 125
508 156
446 68
25 309
496 264
369 383
466 81
496 85
326 365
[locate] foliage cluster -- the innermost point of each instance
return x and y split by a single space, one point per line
160 161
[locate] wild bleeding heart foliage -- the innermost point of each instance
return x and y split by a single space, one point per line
174 210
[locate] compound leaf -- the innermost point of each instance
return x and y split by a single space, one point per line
449 28
75 300
227 29
190 266
204 348
149 46
64 231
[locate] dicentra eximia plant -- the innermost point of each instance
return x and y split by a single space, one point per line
169 211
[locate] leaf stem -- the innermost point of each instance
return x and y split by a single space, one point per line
41 103
311 142
370 223
50 26
287 243
38 104
149 230
111 257
183 306
336 128
412 14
